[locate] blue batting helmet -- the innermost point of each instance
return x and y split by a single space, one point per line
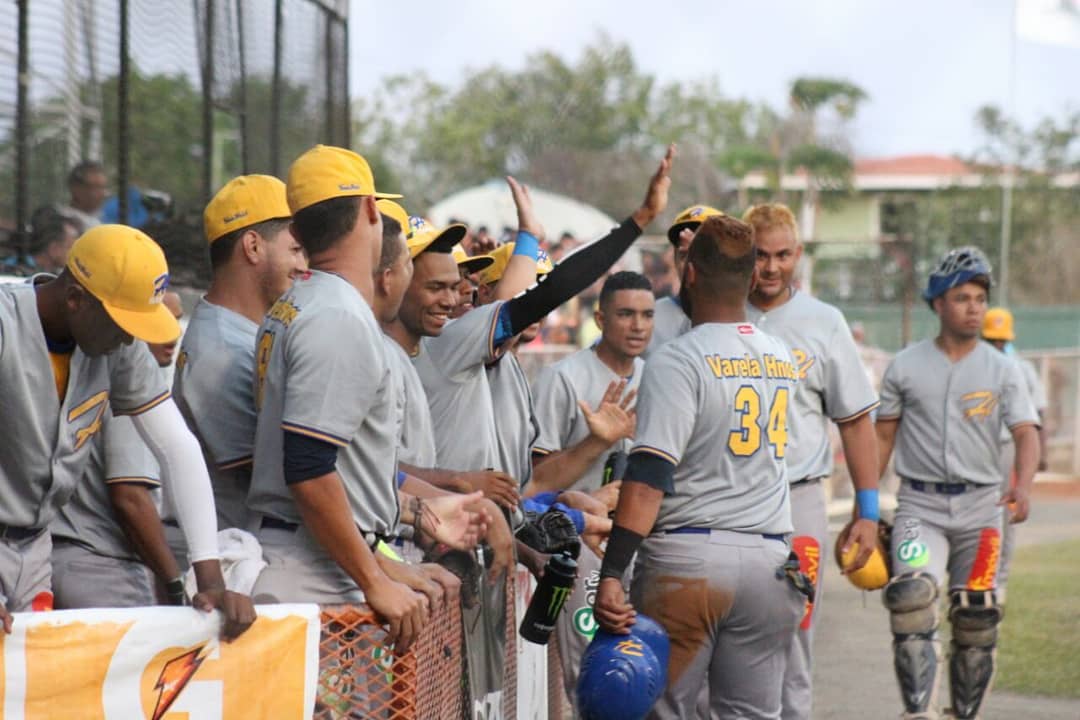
655 636
621 678
957 267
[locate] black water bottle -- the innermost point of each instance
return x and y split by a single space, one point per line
615 467
551 594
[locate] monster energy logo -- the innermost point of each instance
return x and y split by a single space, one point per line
558 599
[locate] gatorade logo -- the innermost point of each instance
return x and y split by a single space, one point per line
558 599
585 623
913 553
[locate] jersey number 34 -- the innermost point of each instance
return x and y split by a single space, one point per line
745 440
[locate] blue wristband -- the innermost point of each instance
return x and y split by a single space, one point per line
868 504
401 476
526 244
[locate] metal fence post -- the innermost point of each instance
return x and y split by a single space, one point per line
22 155
122 109
275 96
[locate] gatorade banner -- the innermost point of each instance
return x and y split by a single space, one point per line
159 663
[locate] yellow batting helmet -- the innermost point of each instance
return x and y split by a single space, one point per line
875 573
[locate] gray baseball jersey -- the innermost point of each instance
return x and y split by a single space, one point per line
714 403
556 392
321 371
669 322
515 422
118 455
47 441
1034 384
417 443
451 368
951 412
832 382
213 386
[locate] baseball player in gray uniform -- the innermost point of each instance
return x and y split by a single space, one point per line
566 394
109 543
670 320
325 471
998 331
706 496
833 387
253 261
570 395
943 402
67 359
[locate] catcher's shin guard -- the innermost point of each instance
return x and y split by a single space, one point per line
974 616
912 603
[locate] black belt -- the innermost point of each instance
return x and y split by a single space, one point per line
806 481
274 523
942 488
706 531
7 532
371 538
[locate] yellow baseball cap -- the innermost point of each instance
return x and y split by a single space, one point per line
472 264
690 219
501 258
422 235
126 270
245 201
998 325
394 210
325 172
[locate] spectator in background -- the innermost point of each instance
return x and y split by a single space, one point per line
51 237
88 187
481 243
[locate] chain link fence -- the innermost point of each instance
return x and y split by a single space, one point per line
172 98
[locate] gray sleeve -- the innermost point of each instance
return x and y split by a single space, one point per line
1034 386
554 405
892 394
848 392
466 342
127 458
667 406
335 365
136 383
1016 407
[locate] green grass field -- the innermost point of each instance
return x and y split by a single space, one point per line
1039 647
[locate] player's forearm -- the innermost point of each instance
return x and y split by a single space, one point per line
520 271
1027 455
597 525
185 476
324 508
428 482
886 438
638 506
861 452
561 469
138 518
571 276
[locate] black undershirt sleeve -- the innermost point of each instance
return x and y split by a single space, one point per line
651 470
571 276
307 457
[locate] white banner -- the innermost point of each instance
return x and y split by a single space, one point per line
159 663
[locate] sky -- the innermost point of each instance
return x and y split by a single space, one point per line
927 65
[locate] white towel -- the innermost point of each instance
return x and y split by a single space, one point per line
241 562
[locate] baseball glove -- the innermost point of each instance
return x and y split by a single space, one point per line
552 533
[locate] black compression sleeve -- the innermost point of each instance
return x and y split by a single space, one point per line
307 457
571 276
651 470
622 544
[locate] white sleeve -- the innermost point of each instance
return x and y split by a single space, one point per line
184 474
